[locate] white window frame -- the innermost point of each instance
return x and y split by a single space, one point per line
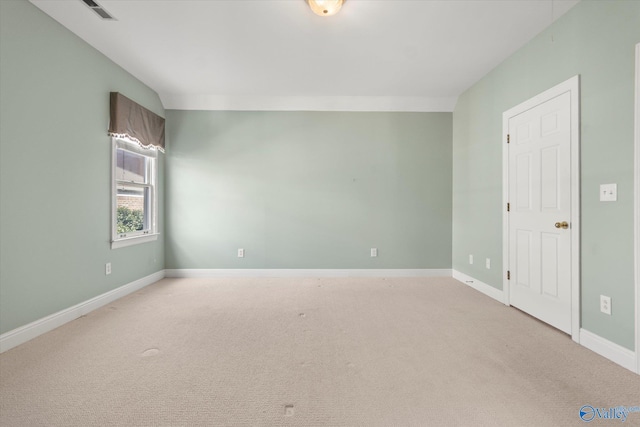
120 240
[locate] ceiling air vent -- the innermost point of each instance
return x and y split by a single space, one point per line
99 10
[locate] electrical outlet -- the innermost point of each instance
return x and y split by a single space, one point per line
470 259
609 192
107 268
374 252
488 263
605 304
240 253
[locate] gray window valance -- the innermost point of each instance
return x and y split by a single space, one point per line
130 120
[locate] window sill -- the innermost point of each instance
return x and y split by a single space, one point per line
136 240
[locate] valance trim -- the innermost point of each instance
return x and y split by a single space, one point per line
126 137
133 122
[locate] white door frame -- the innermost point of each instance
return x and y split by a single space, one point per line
637 206
573 87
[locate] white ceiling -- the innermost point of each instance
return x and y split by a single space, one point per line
394 55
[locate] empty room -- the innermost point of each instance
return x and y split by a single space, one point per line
319 212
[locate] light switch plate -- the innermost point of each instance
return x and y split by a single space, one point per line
608 192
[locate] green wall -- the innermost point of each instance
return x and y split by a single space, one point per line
300 189
596 39
55 169
308 189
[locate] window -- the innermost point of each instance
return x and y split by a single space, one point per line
134 207
137 135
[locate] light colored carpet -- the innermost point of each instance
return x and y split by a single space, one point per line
308 352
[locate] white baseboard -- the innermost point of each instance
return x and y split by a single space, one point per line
20 335
612 351
479 286
288 272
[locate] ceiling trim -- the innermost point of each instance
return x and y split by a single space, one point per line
308 103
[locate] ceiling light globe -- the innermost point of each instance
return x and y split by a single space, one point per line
325 7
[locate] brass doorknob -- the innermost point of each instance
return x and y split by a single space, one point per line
563 224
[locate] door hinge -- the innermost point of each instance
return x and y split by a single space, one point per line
508 207
508 138
508 275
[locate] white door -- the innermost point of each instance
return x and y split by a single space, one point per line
539 195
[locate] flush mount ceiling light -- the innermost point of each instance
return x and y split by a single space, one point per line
325 7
